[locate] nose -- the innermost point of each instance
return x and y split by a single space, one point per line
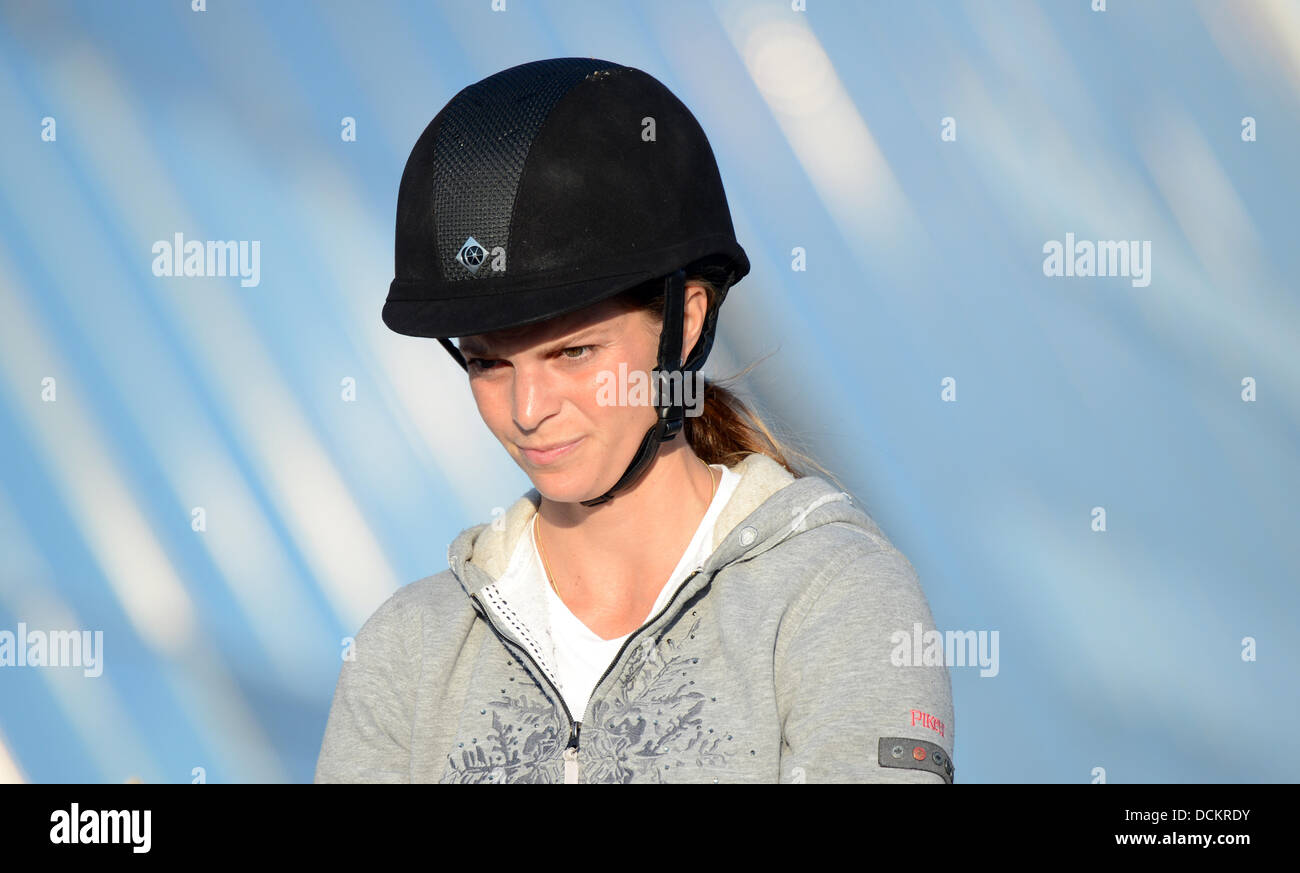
533 396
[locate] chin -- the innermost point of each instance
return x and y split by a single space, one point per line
560 487
571 480
562 484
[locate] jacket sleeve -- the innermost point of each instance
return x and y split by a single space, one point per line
368 734
854 704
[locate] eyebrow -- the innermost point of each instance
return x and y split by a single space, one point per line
475 348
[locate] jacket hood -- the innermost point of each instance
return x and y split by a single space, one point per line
768 506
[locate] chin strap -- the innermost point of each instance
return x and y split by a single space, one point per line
455 352
671 415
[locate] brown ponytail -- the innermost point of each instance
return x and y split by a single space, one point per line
728 429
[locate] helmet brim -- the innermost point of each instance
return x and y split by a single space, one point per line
485 310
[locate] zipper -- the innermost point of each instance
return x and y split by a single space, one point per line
571 762
571 750
571 756
627 642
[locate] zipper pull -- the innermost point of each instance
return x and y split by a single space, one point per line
571 756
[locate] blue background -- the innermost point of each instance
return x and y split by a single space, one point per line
1118 649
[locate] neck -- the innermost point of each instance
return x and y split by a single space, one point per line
624 549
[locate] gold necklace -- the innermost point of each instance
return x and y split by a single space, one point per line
542 554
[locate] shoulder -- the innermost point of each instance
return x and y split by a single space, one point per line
856 576
826 535
867 556
433 602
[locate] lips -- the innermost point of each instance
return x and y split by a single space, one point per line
552 453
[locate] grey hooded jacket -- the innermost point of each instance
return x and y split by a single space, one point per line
777 660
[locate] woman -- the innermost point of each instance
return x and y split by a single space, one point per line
673 601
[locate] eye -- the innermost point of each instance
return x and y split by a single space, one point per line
481 363
565 353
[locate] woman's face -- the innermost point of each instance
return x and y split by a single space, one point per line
541 392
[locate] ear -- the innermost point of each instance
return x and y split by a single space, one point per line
695 308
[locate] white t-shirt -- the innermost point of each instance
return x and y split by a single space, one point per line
581 656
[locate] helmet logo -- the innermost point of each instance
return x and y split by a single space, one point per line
471 255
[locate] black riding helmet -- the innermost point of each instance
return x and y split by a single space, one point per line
548 187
